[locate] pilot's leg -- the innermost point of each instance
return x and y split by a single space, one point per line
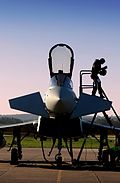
94 87
100 88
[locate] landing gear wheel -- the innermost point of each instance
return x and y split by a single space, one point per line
74 162
58 159
14 156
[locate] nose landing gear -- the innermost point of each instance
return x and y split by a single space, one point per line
58 159
58 156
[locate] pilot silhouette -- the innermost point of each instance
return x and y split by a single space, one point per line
97 69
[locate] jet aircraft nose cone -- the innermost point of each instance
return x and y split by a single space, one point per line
60 100
61 104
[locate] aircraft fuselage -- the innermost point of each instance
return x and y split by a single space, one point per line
60 98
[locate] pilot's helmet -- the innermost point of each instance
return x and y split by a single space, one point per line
102 60
103 72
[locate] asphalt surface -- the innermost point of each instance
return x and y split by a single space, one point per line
33 169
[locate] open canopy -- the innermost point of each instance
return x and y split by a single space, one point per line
61 60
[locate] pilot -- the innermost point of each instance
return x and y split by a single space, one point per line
97 69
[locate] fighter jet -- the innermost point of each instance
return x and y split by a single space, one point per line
61 111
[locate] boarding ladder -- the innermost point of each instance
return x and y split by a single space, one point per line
90 86
82 85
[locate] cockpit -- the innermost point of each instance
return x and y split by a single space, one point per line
61 80
61 60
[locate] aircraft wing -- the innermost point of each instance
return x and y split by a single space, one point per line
100 127
31 103
11 124
88 104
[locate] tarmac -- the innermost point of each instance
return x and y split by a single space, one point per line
33 169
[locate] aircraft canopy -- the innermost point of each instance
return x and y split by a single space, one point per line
61 60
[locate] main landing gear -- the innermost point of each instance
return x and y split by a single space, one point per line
16 152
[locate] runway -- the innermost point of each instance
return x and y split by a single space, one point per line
33 169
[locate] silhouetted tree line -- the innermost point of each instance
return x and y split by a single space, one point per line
9 119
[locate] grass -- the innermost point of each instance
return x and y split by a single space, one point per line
30 142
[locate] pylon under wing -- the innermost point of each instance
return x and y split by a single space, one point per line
88 104
31 103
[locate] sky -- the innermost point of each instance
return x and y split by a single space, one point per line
29 28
